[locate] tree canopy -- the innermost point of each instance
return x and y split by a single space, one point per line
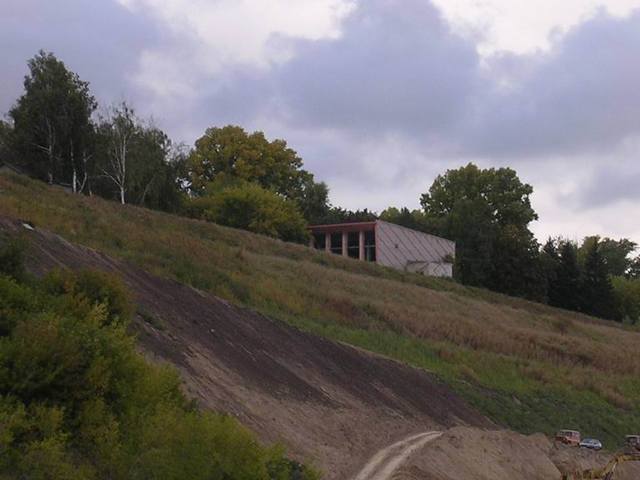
52 120
487 212
250 157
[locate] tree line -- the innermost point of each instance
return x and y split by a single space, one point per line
58 133
488 213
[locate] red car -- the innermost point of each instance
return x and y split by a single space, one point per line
568 437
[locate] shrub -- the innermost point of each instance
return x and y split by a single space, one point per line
77 402
94 287
250 207
12 259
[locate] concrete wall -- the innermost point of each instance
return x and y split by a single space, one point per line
409 250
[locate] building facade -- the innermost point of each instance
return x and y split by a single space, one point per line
387 244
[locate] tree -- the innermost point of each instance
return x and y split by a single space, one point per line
250 157
118 131
627 294
414 219
6 141
597 290
487 212
634 269
549 262
341 215
248 206
52 120
313 199
138 163
565 290
616 253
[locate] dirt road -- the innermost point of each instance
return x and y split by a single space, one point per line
386 461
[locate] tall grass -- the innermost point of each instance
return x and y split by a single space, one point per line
527 365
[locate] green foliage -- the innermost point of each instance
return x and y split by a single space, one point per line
564 275
615 253
94 287
340 215
597 292
250 207
52 119
136 162
487 212
627 295
250 157
7 143
12 258
414 219
78 402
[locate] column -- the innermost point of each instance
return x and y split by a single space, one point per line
361 245
312 242
327 242
345 244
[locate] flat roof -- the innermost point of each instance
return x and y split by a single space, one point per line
370 223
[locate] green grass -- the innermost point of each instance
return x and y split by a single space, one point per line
526 365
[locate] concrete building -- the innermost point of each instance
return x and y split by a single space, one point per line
387 244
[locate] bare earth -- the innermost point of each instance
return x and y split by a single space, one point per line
464 453
330 404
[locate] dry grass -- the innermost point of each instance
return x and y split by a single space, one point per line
487 339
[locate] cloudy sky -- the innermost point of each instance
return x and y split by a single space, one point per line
377 96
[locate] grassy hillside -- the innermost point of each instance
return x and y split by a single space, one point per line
527 366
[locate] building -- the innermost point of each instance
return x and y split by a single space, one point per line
387 244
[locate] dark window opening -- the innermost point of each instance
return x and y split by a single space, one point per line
370 246
336 243
353 244
319 241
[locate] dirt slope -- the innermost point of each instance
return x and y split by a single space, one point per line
327 402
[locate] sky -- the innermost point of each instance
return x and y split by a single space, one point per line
377 96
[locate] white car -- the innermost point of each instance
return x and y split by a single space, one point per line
592 443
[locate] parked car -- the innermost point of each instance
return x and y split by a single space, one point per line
592 443
568 437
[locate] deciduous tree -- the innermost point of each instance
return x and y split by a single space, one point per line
52 120
487 212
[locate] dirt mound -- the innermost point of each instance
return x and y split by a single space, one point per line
464 453
327 402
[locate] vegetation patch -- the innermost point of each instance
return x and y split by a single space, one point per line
78 402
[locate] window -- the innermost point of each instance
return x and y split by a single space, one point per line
370 246
319 240
353 244
336 243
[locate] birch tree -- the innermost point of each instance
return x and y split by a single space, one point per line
51 119
119 131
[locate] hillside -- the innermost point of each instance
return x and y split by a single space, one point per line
314 396
524 365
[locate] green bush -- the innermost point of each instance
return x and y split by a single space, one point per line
250 207
12 259
77 402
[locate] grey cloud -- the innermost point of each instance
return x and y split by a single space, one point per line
582 97
397 67
397 71
100 40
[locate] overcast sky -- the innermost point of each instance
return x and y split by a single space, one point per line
377 96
